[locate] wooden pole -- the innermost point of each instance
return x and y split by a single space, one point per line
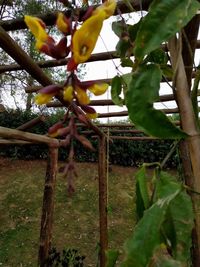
31 123
30 137
103 224
50 18
189 126
48 207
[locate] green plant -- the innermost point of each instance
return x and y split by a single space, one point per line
163 233
68 258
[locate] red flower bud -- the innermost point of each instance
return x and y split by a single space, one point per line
88 13
88 109
52 89
72 65
60 50
53 130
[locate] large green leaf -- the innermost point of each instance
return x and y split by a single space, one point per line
179 220
164 19
147 234
143 91
142 196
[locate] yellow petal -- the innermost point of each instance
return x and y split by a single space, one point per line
92 115
108 7
68 93
36 26
61 23
55 134
98 89
84 39
41 99
82 97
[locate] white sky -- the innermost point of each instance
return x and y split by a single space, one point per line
107 68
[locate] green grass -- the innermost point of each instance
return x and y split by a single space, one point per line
75 219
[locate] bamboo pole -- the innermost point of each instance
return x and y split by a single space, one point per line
120 125
103 224
48 207
15 142
31 123
109 102
27 63
189 126
189 44
125 113
50 18
30 137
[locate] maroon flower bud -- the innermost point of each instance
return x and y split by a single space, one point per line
72 65
64 131
88 109
88 13
53 130
52 89
84 141
86 84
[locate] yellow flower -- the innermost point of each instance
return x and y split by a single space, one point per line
82 97
41 99
98 89
108 7
37 28
84 39
62 23
91 115
68 93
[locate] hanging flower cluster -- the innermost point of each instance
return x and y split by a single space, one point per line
83 41
73 92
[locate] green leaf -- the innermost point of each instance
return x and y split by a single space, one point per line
111 257
183 223
126 62
179 221
123 47
116 89
163 20
133 30
167 71
157 56
142 196
147 234
142 92
126 79
119 27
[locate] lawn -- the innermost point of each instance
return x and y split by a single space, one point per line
75 218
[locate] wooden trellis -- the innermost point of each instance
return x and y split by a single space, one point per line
19 137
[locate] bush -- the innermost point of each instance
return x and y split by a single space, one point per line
121 152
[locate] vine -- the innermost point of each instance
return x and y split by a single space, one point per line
73 92
162 236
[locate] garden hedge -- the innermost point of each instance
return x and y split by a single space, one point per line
121 152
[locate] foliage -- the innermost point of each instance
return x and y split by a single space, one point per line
163 232
150 63
68 258
164 227
121 152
